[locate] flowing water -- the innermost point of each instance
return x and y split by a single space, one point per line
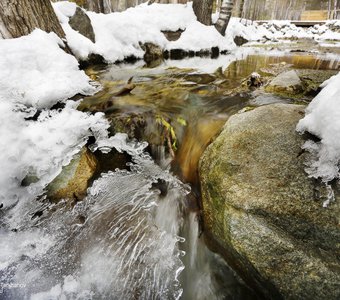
138 233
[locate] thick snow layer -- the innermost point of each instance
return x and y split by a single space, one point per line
276 30
118 35
35 74
35 71
323 120
272 30
198 36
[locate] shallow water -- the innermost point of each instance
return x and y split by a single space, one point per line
194 96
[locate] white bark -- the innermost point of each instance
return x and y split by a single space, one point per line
225 15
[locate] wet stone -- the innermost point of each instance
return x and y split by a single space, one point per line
261 210
286 82
73 180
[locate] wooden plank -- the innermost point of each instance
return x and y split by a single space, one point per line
314 15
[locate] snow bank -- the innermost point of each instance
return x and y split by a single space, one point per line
35 71
273 30
282 29
35 74
323 120
198 36
118 34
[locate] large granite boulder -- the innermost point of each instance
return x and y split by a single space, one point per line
263 213
82 23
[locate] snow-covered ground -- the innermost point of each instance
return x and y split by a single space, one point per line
118 35
276 30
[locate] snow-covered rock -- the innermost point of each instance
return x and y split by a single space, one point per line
36 141
119 35
323 120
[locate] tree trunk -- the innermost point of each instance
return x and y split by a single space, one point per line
240 10
21 17
225 15
335 13
203 11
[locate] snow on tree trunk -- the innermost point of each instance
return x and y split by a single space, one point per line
203 11
21 17
225 15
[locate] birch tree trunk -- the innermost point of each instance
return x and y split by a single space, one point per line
335 13
240 10
21 17
203 10
225 15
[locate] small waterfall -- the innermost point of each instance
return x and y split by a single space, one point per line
121 242
206 274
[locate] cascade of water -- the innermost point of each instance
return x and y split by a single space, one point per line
121 242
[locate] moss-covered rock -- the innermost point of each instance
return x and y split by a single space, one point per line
263 213
72 182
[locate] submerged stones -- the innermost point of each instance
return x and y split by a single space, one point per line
262 212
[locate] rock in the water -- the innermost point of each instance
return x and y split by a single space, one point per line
82 23
262 212
255 80
312 79
73 180
152 52
286 82
200 78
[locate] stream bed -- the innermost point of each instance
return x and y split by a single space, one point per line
138 233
